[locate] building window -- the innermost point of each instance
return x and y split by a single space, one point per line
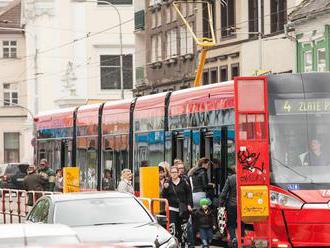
186 41
11 147
168 15
308 61
227 18
321 60
253 17
159 18
278 15
9 49
156 48
110 72
214 75
153 20
171 39
223 73
234 70
206 19
116 2
205 77
10 94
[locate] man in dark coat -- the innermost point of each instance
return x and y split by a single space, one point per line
33 182
228 198
48 174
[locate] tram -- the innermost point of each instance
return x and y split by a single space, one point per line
200 122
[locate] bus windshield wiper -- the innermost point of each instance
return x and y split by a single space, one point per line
293 170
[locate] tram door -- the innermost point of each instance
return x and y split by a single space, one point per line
206 150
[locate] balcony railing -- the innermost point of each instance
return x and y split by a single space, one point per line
139 20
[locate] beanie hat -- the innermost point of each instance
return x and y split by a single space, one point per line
204 201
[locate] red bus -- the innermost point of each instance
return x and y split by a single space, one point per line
200 122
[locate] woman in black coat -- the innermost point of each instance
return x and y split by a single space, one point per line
177 192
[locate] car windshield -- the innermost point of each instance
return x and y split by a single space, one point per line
300 143
100 211
12 169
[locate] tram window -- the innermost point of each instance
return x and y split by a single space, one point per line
231 155
87 161
195 147
168 146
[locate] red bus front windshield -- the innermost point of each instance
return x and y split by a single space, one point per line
300 143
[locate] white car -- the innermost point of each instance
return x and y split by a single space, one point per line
103 217
21 235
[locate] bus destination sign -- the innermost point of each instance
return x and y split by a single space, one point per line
302 106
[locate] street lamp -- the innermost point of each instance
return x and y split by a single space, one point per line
120 39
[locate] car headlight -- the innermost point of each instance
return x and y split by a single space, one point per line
283 200
171 243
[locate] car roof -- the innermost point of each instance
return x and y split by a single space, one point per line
87 195
34 230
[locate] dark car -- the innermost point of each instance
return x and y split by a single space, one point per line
103 217
12 175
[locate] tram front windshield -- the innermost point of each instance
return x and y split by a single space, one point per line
300 143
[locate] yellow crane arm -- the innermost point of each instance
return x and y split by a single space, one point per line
199 72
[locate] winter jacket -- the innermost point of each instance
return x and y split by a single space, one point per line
48 174
228 194
34 182
200 179
108 184
181 194
125 186
205 219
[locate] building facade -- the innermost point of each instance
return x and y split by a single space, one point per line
236 28
15 120
166 50
311 23
75 51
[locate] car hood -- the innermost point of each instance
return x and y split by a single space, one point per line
123 233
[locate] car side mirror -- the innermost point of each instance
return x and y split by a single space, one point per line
162 220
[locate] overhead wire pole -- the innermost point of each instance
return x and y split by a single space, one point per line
204 42
120 39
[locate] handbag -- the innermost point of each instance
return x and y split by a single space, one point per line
183 208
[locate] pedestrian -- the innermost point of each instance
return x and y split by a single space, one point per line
125 184
107 180
59 180
177 192
190 225
33 182
47 173
206 221
162 178
166 167
228 198
199 180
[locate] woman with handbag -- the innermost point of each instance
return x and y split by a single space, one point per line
177 192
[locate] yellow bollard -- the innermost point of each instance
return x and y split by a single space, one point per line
149 184
71 179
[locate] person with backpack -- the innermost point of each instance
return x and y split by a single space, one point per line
178 194
199 180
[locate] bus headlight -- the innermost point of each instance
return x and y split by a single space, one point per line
284 200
